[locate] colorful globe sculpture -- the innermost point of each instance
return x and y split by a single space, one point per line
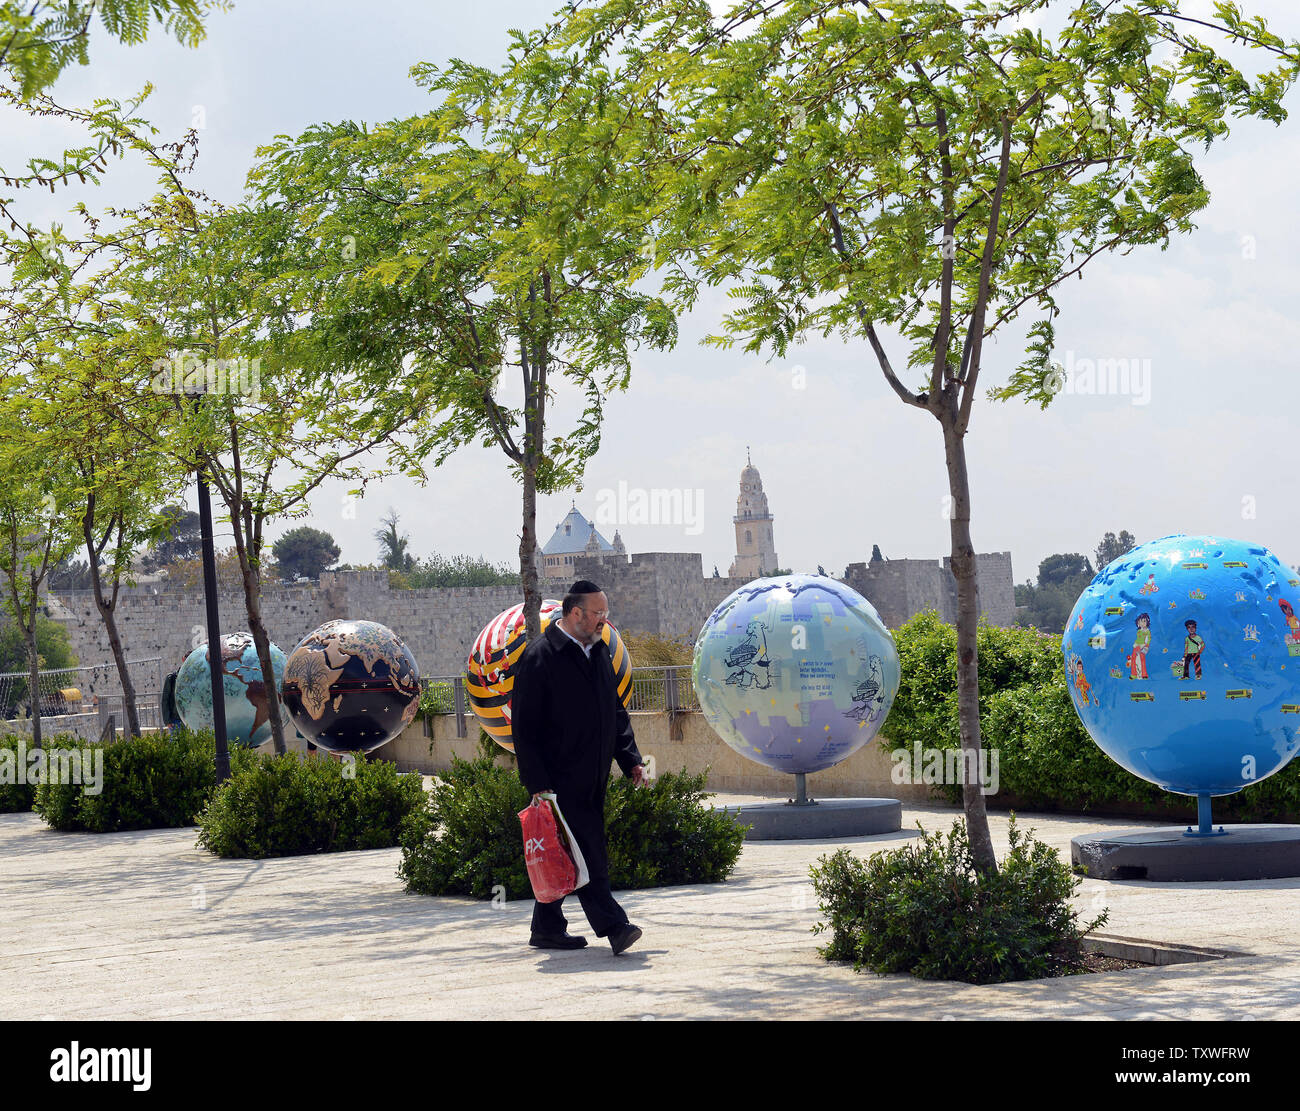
351 686
1183 660
248 721
489 675
795 673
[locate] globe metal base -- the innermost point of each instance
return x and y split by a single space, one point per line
1248 852
826 819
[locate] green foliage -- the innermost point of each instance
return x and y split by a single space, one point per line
15 796
40 40
1046 758
180 538
1112 547
392 545
926 910
460 570
1062 568
291 805
467 840
152 782
52 648
666 834
1061 579
437 697
305 551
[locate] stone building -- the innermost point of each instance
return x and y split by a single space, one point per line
576 537
755 548
900 588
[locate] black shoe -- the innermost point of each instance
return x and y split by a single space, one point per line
624 937
557 941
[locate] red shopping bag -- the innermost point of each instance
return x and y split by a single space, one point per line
550 851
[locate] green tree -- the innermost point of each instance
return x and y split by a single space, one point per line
305 551
922 167
392 545
1048 603
1112 547
39 40
461 570
1056 570
52 652
34 534
473 244
70 574
181 538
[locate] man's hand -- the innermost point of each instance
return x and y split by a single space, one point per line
638 776
537 797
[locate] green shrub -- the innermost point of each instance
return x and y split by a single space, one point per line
1046 758
157 781
292 805
924 909
466 840
665 834
437 698
15 796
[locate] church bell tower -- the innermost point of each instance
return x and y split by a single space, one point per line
755 548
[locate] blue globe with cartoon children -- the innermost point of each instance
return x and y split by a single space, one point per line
248 721
1183 662
795 672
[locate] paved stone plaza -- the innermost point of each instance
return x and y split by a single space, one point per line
145 925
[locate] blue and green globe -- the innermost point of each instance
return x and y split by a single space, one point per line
248 721
796 673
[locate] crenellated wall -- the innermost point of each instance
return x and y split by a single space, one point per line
655 592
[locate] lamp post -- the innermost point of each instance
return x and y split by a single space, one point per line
215 670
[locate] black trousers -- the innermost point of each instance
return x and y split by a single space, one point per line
604 914
585 815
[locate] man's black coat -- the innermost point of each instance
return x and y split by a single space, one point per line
568 726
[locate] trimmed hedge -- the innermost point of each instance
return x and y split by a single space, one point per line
158 781
923 909
292 805
16 797
466 840
1046 760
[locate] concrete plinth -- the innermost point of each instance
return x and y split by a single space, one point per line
1255 852
824 819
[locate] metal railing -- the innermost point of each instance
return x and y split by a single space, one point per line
655 690
663 690
81 699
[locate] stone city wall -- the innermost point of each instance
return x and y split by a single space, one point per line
665 593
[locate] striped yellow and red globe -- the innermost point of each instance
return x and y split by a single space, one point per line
489 673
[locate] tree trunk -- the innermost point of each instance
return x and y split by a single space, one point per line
527 550
109 618
33 672
968 688
262 641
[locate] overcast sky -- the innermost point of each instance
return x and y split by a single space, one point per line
1202 445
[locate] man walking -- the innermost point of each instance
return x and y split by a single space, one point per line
568 725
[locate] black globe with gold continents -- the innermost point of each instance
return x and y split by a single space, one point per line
351 686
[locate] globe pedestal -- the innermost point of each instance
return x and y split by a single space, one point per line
805 819
1247 852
